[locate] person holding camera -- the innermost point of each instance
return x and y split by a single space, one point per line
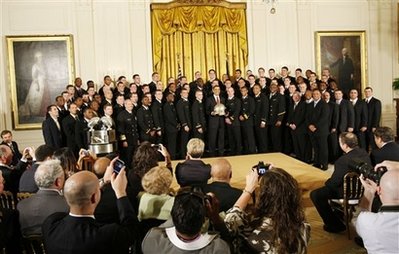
333 188
182 234
277 223
380 231
79 231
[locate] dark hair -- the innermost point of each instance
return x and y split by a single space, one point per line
135 75
271 69
43 151
385 133
68 86
107 76
145 158
298 69
280 200
107 105
4 132
68 160
285 68
261 68
238 70
188 211
50 106
252 75
349 139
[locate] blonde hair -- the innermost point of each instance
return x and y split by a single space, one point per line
157 181
195 147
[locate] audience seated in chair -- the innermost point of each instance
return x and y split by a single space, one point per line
50 178
9 227
27 182
193 171
156 202
79 232
277 224
333 188
182 234
380 231
388 149
221 174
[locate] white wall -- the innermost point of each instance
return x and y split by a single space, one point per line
113 37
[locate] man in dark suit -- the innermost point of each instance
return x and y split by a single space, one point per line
62 108
68 128
346 118
215 122
6 137
83 233
153 84
11 175
361 117
260 118
193 171
184 116
127 133
317 122
334 185
198 113
333 118
79 91
374 116
221 174
276 115
387 149
156 110
172 125
296 121
247 121
52 128
81 128
50 178
233 109
145 122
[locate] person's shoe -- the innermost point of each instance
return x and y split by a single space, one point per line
334 230
316 165
359 241
324 167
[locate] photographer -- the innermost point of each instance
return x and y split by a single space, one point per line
379 231
277 224
183 233
334 185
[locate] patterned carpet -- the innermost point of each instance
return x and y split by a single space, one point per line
323 242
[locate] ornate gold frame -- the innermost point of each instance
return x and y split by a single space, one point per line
361 35
55 51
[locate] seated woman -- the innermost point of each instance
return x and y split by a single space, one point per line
156 202
277 224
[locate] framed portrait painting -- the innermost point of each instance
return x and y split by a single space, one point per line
40 67
344 54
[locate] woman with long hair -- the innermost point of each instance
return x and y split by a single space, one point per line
277 224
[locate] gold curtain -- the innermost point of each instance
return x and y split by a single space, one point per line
198 38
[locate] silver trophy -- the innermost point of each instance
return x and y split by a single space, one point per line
219 109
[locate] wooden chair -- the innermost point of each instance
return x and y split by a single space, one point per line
353 191
7 200
23 195
33 244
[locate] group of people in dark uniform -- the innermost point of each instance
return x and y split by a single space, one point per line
300 116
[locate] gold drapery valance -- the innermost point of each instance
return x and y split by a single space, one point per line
200 36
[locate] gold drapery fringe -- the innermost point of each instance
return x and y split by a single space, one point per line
198 38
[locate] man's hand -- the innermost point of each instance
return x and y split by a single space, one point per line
369 185
124 144
278 124
389 165
119 183
186 129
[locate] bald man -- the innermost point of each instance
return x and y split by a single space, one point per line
100 166
79 232
380 231
221 174
11 174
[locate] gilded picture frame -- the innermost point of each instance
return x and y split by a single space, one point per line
40 67
349 71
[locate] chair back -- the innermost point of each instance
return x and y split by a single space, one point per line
7 200
23 195
353 188
34 244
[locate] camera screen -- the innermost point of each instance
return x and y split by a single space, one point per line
261 171
118 165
